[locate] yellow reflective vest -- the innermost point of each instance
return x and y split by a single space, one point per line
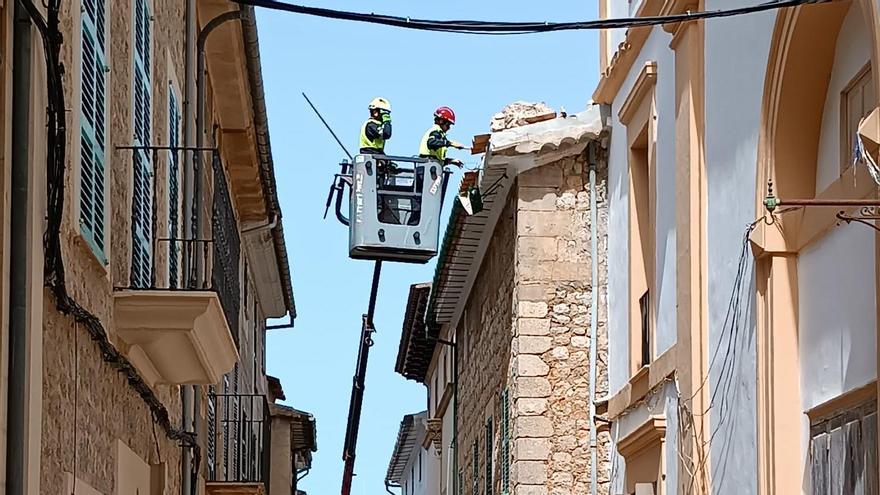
366 142
439 153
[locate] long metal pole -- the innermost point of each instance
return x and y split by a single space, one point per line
594 319
350 157
358 385
16 447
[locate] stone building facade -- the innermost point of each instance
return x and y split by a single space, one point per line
130 364
512 291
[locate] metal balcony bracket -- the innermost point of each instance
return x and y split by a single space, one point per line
867 215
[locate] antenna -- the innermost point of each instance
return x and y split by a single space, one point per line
350 157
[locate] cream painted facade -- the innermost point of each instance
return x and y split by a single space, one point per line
743 346
153 348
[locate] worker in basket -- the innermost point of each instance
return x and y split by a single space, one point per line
377 129
434 143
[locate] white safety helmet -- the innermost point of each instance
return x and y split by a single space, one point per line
380 104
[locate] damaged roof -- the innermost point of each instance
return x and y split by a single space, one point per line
303 429
416 342
509 153
412 430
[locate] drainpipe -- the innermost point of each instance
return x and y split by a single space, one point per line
592 156
16 446
188 92
456 488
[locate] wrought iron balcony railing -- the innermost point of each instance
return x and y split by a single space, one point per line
238 438
164 254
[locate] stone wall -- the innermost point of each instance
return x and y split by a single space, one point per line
527 327
87 404
485 337
552 344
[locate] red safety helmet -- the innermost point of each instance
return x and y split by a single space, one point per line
445 113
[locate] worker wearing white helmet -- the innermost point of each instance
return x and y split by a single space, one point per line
377 129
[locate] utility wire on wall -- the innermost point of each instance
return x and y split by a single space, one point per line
511 28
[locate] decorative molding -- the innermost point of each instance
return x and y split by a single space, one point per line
433 434
645 83
621 62
649 434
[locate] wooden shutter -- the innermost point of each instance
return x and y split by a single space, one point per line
475 454
93 137
505 442
843 453
173 187
490 434
142 187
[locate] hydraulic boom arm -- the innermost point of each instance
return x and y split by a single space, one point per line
357 386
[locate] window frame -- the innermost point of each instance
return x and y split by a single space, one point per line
638 114
861 80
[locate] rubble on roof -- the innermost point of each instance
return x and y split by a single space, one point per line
520 113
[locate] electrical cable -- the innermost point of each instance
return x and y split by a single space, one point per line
513 28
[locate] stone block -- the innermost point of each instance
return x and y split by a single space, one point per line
544 223
529 309
570 271
533 326
533 292
544 176
533 270
535 387
531 365
531 472
534 345
531 490
580 341
536 248
533 427
536 199
531 407
533 449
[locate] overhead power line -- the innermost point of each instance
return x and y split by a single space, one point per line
510 28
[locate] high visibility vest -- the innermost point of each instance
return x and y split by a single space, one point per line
439 153
366 142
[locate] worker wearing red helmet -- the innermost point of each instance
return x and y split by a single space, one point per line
435 142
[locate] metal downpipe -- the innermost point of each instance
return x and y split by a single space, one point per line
187 391
592 155
17 416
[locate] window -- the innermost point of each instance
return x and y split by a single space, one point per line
142 187
420 465
490 433
843 451
173 186
644 309
638 114
505 441
93 136
856 102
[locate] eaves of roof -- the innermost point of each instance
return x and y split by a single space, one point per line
417 342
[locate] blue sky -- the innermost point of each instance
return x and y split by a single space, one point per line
342 66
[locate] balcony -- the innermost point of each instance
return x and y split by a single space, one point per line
237 456
178 317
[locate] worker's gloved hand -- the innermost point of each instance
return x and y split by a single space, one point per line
457 145
456 162
386 117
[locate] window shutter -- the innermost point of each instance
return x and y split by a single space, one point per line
843 452
505 442
142 192
490 433
475 454
173 186
93 137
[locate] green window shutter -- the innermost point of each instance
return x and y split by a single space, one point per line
173 187
93 138
505 442
142 190
489 446
475 454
